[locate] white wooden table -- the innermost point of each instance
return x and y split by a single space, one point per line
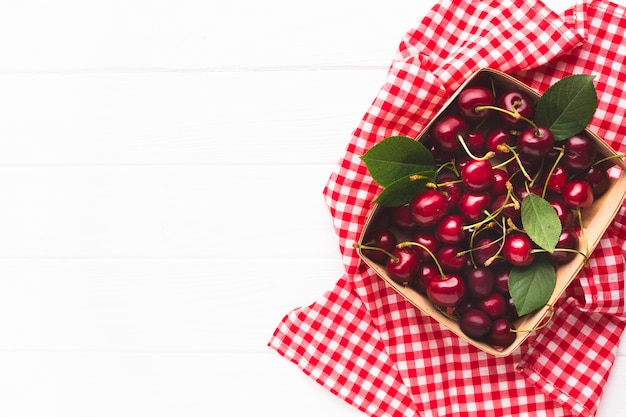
161 174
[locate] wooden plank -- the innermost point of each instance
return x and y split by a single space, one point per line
227 212
281 117
171 35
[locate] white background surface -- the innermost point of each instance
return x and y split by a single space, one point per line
161 174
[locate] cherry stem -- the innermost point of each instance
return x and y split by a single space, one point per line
430 253
541 326
516 156
619 155
368 247
486 156
514 114
545 185
497 254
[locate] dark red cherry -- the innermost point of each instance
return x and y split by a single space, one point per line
401 217
517 249
485 249
557 179
475 141
500 178
568 240
501 334
502 281
424 274
598 178
480 282
380 238
451 259
509 211
451 186
494 305
577 194
534 143
403 265
447 290
515 101
472 205
579 153
425 237
477 175
429 207
449 230
472 97
475 324
496 137
566 214
445 132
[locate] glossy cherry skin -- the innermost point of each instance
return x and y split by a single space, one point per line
403 267
557 179
401 217
502 281
578 194
449 230
475 324
494 305
429 207
475 141
380 238
477 175
450 260
567 240
515 101
424 274
535 143
496 137
446 131
451 186
598 178
566 215
508 211
447 290
517 249
500 178
481 282
472 205
425 237
485 249
472 97
501 334
579 153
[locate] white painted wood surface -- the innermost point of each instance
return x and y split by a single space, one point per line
161 170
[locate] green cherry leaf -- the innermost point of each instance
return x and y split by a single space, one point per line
403 190
532 286
568 106
541 222
396 157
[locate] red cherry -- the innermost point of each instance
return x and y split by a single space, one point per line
494 305
535 143
451 186
450 259
500 178
475 324
557 180
403 265
429 207
426 238
501 334
567 240
578 194
485 249
447 290
515 101
472 97
517 249
446 131
502 281
475 141
450 230
480 282
424 274
472 205
380 238
477 175
401 217
579 153
598 178
496 137
566 214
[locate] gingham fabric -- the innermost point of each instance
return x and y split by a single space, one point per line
367 345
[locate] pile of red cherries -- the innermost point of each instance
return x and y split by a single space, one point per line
457 241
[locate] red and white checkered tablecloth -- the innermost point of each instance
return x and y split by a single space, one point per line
367 345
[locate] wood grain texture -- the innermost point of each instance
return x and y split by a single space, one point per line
161 174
